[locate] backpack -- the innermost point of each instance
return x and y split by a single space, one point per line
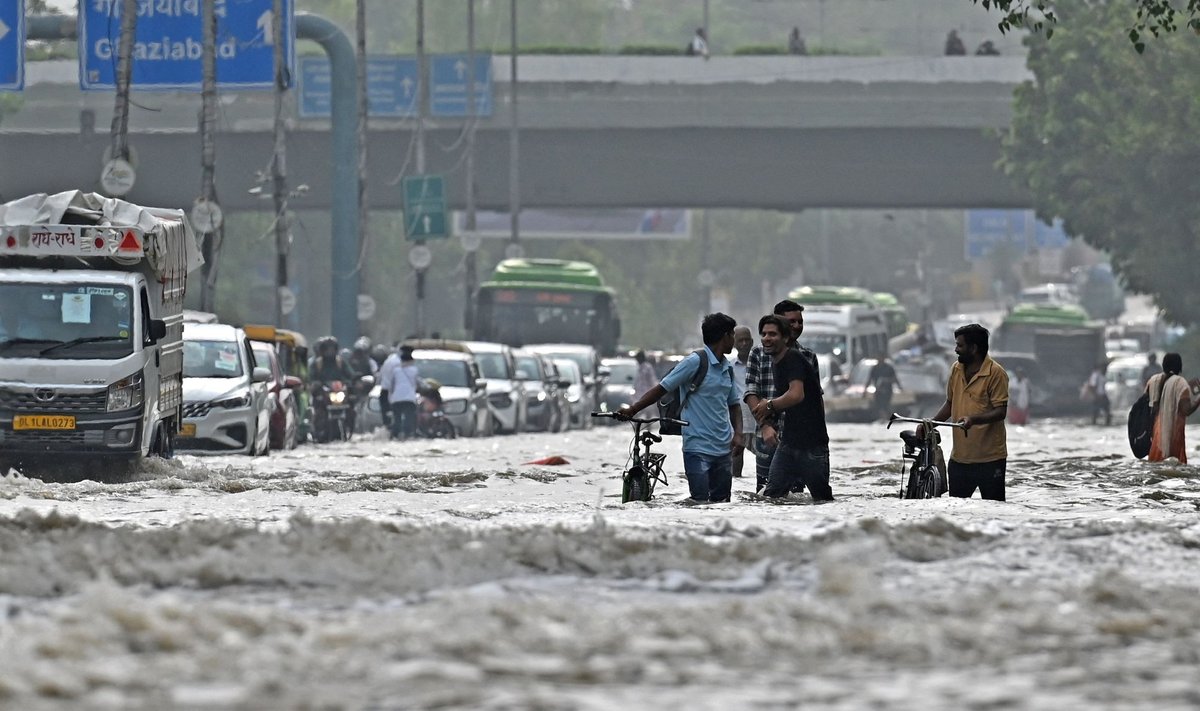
671 405
1141 421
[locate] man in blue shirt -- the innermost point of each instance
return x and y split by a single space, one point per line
713 411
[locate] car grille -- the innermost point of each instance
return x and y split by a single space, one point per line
27 437
64 402
196 410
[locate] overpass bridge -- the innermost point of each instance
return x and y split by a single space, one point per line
732 132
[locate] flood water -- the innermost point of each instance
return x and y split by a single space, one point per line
451 575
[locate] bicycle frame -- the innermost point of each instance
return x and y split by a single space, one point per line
925 473
646 467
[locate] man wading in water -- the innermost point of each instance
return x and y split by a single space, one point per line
977 398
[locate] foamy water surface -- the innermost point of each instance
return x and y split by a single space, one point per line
452 575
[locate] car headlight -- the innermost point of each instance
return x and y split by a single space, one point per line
454 407
541 396
232 403
126 394
501 399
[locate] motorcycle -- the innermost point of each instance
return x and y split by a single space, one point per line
333 411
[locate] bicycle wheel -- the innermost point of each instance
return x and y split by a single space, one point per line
922 484
636 486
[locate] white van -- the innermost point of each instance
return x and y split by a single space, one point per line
848 332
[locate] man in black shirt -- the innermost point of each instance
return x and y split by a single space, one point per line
802 452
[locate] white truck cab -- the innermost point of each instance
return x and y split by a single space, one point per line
91 322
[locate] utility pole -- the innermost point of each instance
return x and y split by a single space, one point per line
279 164
364 212
120 120
422 111
212 233
707 37
514 145
470 266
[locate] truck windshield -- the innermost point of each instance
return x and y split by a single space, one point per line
65 321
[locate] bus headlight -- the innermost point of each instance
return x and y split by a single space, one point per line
126 394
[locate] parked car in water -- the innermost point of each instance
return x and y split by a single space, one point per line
578 404
547 394
1123 381
226 403
505 391
284 389
461 385
618 389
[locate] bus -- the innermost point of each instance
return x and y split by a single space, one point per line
530 301
894 314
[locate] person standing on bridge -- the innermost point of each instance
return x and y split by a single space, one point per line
954 45
699 44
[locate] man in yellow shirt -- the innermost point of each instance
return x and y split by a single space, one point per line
977 398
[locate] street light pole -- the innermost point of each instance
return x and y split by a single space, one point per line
514 142
422 110
279 164
470 226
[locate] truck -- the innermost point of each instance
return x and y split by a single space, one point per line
529 301
91 330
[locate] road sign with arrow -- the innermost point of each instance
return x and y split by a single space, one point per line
425 207
12 45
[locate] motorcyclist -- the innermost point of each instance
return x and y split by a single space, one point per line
328 366
360 360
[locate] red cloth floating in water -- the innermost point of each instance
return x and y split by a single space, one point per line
550 461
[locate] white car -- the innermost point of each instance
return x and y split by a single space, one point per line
226 403
506 393
579 406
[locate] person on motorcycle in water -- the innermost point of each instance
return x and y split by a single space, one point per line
328 366
360 358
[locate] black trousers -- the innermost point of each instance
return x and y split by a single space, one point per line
404 419
988 477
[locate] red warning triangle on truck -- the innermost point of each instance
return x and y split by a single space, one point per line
129 243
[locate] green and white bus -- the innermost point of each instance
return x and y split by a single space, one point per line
529 301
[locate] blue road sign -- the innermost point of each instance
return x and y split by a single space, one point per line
987 229
448 85
391 87
1050 236
169 48
12 46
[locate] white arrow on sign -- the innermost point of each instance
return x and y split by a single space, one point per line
265 26
407 83
461 67
3 30
427 222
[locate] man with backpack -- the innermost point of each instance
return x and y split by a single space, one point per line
704 385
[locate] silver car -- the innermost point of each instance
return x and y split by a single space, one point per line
505 391
226 403
547 393
578 403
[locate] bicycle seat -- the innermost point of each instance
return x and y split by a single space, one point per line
911 440
651 436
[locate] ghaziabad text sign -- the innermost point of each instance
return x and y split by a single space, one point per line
12 45
168 46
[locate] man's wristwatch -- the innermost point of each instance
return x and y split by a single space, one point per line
770 406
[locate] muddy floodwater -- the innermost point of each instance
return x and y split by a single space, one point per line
452 575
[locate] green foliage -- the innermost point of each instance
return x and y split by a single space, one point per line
1109 140
1153 17
760 49
650 50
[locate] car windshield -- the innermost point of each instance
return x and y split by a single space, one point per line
61 321
446 372
583 361
623 372
831 343
211 359
568 370
527 368
493 365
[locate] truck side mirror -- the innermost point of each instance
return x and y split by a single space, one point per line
156 328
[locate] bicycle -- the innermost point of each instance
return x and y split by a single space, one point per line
927 475
645 467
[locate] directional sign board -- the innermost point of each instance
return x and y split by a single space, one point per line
988 229
169 49
448 85
424 207
12 45
391 87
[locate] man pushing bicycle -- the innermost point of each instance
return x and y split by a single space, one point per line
712 409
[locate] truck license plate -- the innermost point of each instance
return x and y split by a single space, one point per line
44 422
187 429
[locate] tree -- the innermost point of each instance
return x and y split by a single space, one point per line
1155 17
1109 140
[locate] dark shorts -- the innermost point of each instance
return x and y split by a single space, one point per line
988 477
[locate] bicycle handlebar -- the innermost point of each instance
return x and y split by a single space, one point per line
642 420
936 423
